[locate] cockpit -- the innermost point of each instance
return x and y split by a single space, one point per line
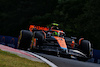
55 33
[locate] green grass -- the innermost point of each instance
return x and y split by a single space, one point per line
11 60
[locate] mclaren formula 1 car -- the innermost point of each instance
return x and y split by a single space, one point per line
55 40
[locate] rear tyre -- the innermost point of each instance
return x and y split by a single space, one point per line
25 39
40 37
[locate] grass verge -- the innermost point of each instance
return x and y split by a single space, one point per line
11 60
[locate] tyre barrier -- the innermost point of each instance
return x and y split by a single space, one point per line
13 42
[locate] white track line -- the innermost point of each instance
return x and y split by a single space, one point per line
43 59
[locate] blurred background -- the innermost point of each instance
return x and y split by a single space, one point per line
80 18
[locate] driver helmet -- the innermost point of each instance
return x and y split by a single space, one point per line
55 24
55 33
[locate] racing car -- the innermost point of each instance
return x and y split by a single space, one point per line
55 40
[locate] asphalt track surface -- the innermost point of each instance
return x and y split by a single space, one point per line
65 62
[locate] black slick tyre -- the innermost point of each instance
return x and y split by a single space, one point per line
25 39
85 47
40 37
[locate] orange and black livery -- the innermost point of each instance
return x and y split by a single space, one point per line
55 40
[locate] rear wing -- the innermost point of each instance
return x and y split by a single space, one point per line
31 27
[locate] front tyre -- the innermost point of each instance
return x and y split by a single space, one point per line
86 48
